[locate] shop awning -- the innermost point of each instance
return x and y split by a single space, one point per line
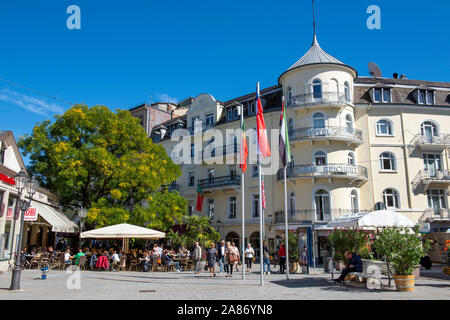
58 221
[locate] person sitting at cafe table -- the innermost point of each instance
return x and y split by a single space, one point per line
67 257
354 264
168 261
78 256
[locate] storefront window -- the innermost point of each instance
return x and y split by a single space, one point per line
8 234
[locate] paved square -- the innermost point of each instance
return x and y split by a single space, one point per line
187 286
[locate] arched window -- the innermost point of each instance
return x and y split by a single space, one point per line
384 128
322 204
347 91
351 158
291 203
354 201
317 89
391 198
291 126
349 123
429 130
318 120
289 96
387 161
320 158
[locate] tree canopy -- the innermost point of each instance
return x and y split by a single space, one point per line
104 161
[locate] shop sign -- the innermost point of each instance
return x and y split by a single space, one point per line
30 215
424 227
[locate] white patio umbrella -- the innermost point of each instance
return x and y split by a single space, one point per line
123 231
372 220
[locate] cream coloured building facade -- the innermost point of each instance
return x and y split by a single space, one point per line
45 220
357 144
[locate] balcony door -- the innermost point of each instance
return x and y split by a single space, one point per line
432 163
428 130
322 202
436 200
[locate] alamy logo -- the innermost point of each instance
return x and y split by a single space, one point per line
74 20
73 282
374 20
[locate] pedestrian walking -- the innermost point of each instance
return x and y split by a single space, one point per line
236 250
266 258
211 257
221 256
249 254
282 256
197 257
229 259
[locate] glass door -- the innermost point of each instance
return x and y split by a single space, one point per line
428 131
322 200
432 163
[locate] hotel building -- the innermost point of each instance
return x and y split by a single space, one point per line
357 144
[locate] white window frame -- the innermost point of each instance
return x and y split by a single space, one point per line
396 198
253 205
392 159
379 133
230 203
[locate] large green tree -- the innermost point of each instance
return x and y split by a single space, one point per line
104 161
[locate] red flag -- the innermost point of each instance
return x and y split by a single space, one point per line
200 198
244 151
263 141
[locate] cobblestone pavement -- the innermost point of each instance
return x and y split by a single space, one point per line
187 286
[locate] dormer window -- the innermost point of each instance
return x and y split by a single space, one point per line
232 114
209 120
425 96
381 95
251 108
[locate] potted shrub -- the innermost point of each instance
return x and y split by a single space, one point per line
403 250
342 240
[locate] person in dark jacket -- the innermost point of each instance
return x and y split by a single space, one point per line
354 264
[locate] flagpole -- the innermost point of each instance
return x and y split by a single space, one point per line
242 197
261 249
286 223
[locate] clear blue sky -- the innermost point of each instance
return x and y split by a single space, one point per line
132 51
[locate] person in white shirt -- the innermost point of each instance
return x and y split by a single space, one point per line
221 256
115 260
67 257
249 253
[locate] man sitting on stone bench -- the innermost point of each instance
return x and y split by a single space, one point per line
354 264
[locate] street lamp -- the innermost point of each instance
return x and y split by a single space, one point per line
22 182
82 214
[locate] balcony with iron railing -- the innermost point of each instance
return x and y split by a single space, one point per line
425 180
342 171
434 215
327 133
308 216
230 181
431 142
328 98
